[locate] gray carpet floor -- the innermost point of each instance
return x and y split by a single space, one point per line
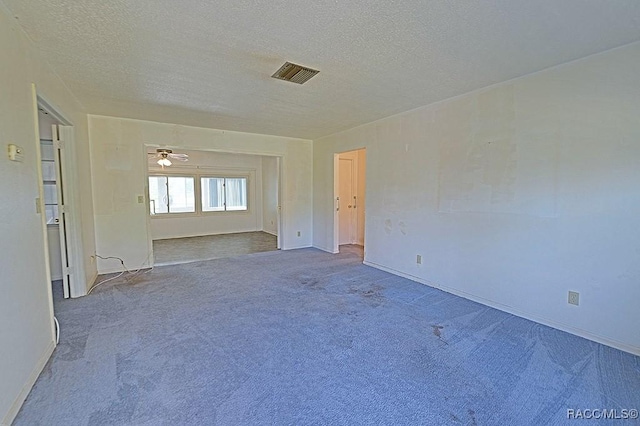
304 337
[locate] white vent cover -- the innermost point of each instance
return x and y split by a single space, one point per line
294 73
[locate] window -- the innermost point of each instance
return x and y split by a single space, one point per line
223 194
171 194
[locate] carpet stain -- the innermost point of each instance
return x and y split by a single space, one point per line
472 414
373 291
372 295
311 282
436 331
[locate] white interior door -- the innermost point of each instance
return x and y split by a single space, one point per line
58 146
346 193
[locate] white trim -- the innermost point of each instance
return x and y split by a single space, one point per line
325 249
510 310
209 234
10 416
335 203
45 232
296 247
275 234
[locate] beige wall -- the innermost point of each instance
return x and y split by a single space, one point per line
513 195
118 158
26 325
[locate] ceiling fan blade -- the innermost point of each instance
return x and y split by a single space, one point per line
179 157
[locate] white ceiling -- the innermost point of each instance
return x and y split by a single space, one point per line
208 63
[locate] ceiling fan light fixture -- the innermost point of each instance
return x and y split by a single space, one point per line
164 162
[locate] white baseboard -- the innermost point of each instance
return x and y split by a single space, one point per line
118 269
326 249
17 403
514 311
206 234
295 247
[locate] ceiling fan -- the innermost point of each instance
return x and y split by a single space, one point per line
164 155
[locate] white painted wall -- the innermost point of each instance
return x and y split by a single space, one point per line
211 223
118 160
270 195
26 325
513 195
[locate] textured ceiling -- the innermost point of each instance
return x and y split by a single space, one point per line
208 63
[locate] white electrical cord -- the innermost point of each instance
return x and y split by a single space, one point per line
124 270
57 330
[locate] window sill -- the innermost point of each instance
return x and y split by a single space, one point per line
200 214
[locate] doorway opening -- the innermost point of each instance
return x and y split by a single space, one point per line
58 186
205 205
349 195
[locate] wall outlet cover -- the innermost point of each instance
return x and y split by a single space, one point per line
574 298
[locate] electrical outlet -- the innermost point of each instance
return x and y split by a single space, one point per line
419 259
574 298
140 199
298 233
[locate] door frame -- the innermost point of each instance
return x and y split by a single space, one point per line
278 203
282 184
336 195
77 285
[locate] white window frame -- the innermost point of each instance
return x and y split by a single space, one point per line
225 176
197 188
170 213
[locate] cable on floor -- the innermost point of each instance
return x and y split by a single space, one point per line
57 330
124 270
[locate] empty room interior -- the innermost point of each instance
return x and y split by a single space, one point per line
319 212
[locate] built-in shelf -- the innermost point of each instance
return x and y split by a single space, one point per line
49 181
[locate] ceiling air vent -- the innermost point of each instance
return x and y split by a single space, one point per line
294 73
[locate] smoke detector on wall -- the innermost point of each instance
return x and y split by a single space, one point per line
294 73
